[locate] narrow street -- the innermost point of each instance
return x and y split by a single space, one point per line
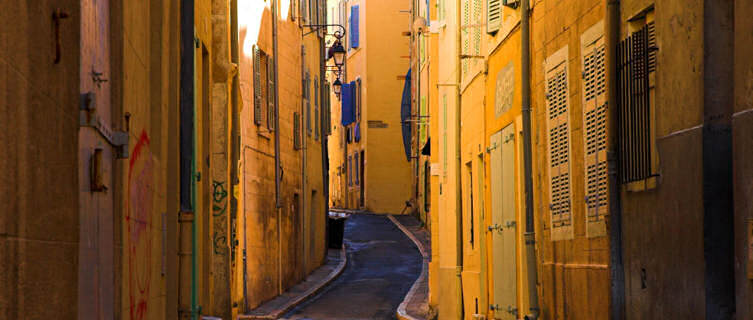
382 265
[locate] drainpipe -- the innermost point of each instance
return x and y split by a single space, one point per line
235 147
187 266
278 196
530 233
325 137
458 179
617 272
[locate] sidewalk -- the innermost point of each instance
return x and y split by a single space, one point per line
275 308
416 305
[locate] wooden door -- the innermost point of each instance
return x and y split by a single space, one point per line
504 225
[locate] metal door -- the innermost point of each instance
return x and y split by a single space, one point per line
96 153
504 224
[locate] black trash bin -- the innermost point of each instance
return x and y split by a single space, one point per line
336 225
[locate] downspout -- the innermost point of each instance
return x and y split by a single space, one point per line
616 267
323 132
187 266
458 181
530 233
235 147
278 198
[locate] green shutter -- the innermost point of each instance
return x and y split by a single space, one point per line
296 131
257 86
317 119
271 94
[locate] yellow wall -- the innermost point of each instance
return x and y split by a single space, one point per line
283 245
386 170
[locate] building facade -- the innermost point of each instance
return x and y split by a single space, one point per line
283 239
158 185
369 166
614 153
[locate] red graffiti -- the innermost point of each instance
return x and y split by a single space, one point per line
138 222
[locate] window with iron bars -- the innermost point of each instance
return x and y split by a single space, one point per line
636 56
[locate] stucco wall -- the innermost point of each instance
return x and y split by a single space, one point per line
573 272
39 116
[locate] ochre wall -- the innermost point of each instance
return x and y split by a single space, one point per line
39 219
663 227
574 272
284 244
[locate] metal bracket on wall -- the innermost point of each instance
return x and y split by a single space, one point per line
88 117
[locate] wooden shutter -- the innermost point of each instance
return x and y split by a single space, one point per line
354 26
305 10
465 35
296 131
327 111
493 15
558 146
477 14
257 86
504 223
317 119
308 104
359 106
593 53
271 97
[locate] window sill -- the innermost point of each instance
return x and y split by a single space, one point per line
642 185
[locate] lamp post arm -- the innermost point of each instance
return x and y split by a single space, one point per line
317 26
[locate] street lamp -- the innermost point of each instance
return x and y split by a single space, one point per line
337 87
338 52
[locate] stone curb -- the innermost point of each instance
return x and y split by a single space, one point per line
401 312
312 291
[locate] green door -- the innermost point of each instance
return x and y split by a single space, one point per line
504 224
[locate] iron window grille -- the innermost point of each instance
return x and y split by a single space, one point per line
637 59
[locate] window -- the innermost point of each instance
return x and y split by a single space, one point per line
296 131
558 144
493 15
354 26
358 100
327 110
593 53
317 119
258 94
350 170
470 33
308 103
270 94
355 163
636 131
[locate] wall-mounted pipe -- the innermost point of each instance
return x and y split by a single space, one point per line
617 272
530 232
458 177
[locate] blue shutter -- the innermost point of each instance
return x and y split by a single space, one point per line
347 104
354 100
354 27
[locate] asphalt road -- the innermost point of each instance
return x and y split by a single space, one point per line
382 265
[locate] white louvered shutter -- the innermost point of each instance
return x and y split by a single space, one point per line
558 134
257 86
493 15
593 52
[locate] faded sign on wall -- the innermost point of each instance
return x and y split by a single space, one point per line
504 90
